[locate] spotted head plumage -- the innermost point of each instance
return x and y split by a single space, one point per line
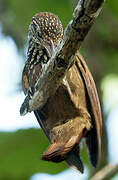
46 27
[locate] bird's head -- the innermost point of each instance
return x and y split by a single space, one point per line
46 27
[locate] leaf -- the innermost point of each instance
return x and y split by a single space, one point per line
20 154
113 6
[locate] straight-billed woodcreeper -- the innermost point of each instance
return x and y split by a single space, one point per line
73 113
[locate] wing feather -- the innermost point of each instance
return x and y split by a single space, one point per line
94 138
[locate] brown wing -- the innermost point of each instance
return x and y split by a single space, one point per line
94 137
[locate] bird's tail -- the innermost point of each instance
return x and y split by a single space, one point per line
56 153
74 161
68 151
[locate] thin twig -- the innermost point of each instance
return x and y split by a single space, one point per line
106 173
84 16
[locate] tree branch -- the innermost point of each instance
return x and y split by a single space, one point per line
84 16
106 173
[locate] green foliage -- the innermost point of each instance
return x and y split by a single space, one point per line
20 154
20 151
113 6
24 10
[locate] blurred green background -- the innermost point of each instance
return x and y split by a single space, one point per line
20 150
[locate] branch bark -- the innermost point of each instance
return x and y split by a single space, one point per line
106 173
84 16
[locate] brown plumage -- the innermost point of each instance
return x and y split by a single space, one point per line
74 111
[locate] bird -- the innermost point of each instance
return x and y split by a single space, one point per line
73 113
